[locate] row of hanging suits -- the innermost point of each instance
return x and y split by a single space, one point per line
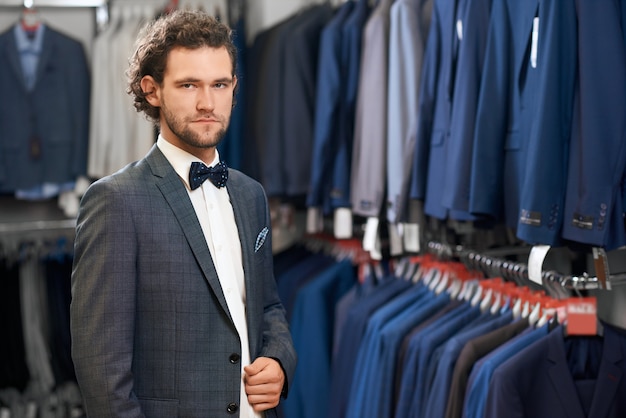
489 112
37 374
397 345
521 118
118 134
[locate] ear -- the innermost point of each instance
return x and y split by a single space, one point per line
151 89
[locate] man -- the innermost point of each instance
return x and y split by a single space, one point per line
175 310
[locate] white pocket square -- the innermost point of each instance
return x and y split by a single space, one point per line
260 239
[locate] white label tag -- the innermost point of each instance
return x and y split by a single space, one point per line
342 224
371 234
376 253
534 43
395 239
313 220
411 238
535 262
459 29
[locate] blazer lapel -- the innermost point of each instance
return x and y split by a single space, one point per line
48 47
174 192
13 57
560 376
609 376
247 235
530 7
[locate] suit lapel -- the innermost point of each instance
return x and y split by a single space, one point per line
247 236
13 57
174 192
48 47
609 376
524 38
560 376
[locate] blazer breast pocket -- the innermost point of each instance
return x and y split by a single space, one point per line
260 239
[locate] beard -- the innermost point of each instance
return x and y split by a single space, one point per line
180 128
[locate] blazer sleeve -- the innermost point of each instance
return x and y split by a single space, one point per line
103 302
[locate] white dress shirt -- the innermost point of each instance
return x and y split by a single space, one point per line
217 219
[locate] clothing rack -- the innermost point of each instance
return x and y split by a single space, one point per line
39 225
53 3
38 221
518 271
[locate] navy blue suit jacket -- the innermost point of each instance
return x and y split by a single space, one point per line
328 96
546 378
352 32
312 330
354 332
435 104
297 117
56 112
595 202
474 26
545 177
505 110
287 81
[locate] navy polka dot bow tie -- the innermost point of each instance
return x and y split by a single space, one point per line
199 172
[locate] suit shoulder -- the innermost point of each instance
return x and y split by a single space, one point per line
244 180
125 177
5 33
62 36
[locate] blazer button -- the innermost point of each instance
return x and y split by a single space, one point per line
232 408
234 358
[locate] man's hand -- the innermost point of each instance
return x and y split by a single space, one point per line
264 380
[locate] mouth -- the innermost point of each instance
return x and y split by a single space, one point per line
206 120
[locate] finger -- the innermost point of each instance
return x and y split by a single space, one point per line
256 366
263 389
262 402
264 406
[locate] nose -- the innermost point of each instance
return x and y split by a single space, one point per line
206 100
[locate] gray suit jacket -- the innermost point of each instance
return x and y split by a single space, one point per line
151 332
55 112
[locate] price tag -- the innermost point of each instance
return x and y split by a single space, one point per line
601 265
582 316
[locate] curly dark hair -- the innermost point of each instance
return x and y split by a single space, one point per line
181 28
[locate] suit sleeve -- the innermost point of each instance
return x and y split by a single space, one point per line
103 303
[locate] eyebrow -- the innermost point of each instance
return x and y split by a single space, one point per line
196 80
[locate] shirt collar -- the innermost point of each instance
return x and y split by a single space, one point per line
180 159
24 43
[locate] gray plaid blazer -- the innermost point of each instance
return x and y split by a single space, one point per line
151 332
